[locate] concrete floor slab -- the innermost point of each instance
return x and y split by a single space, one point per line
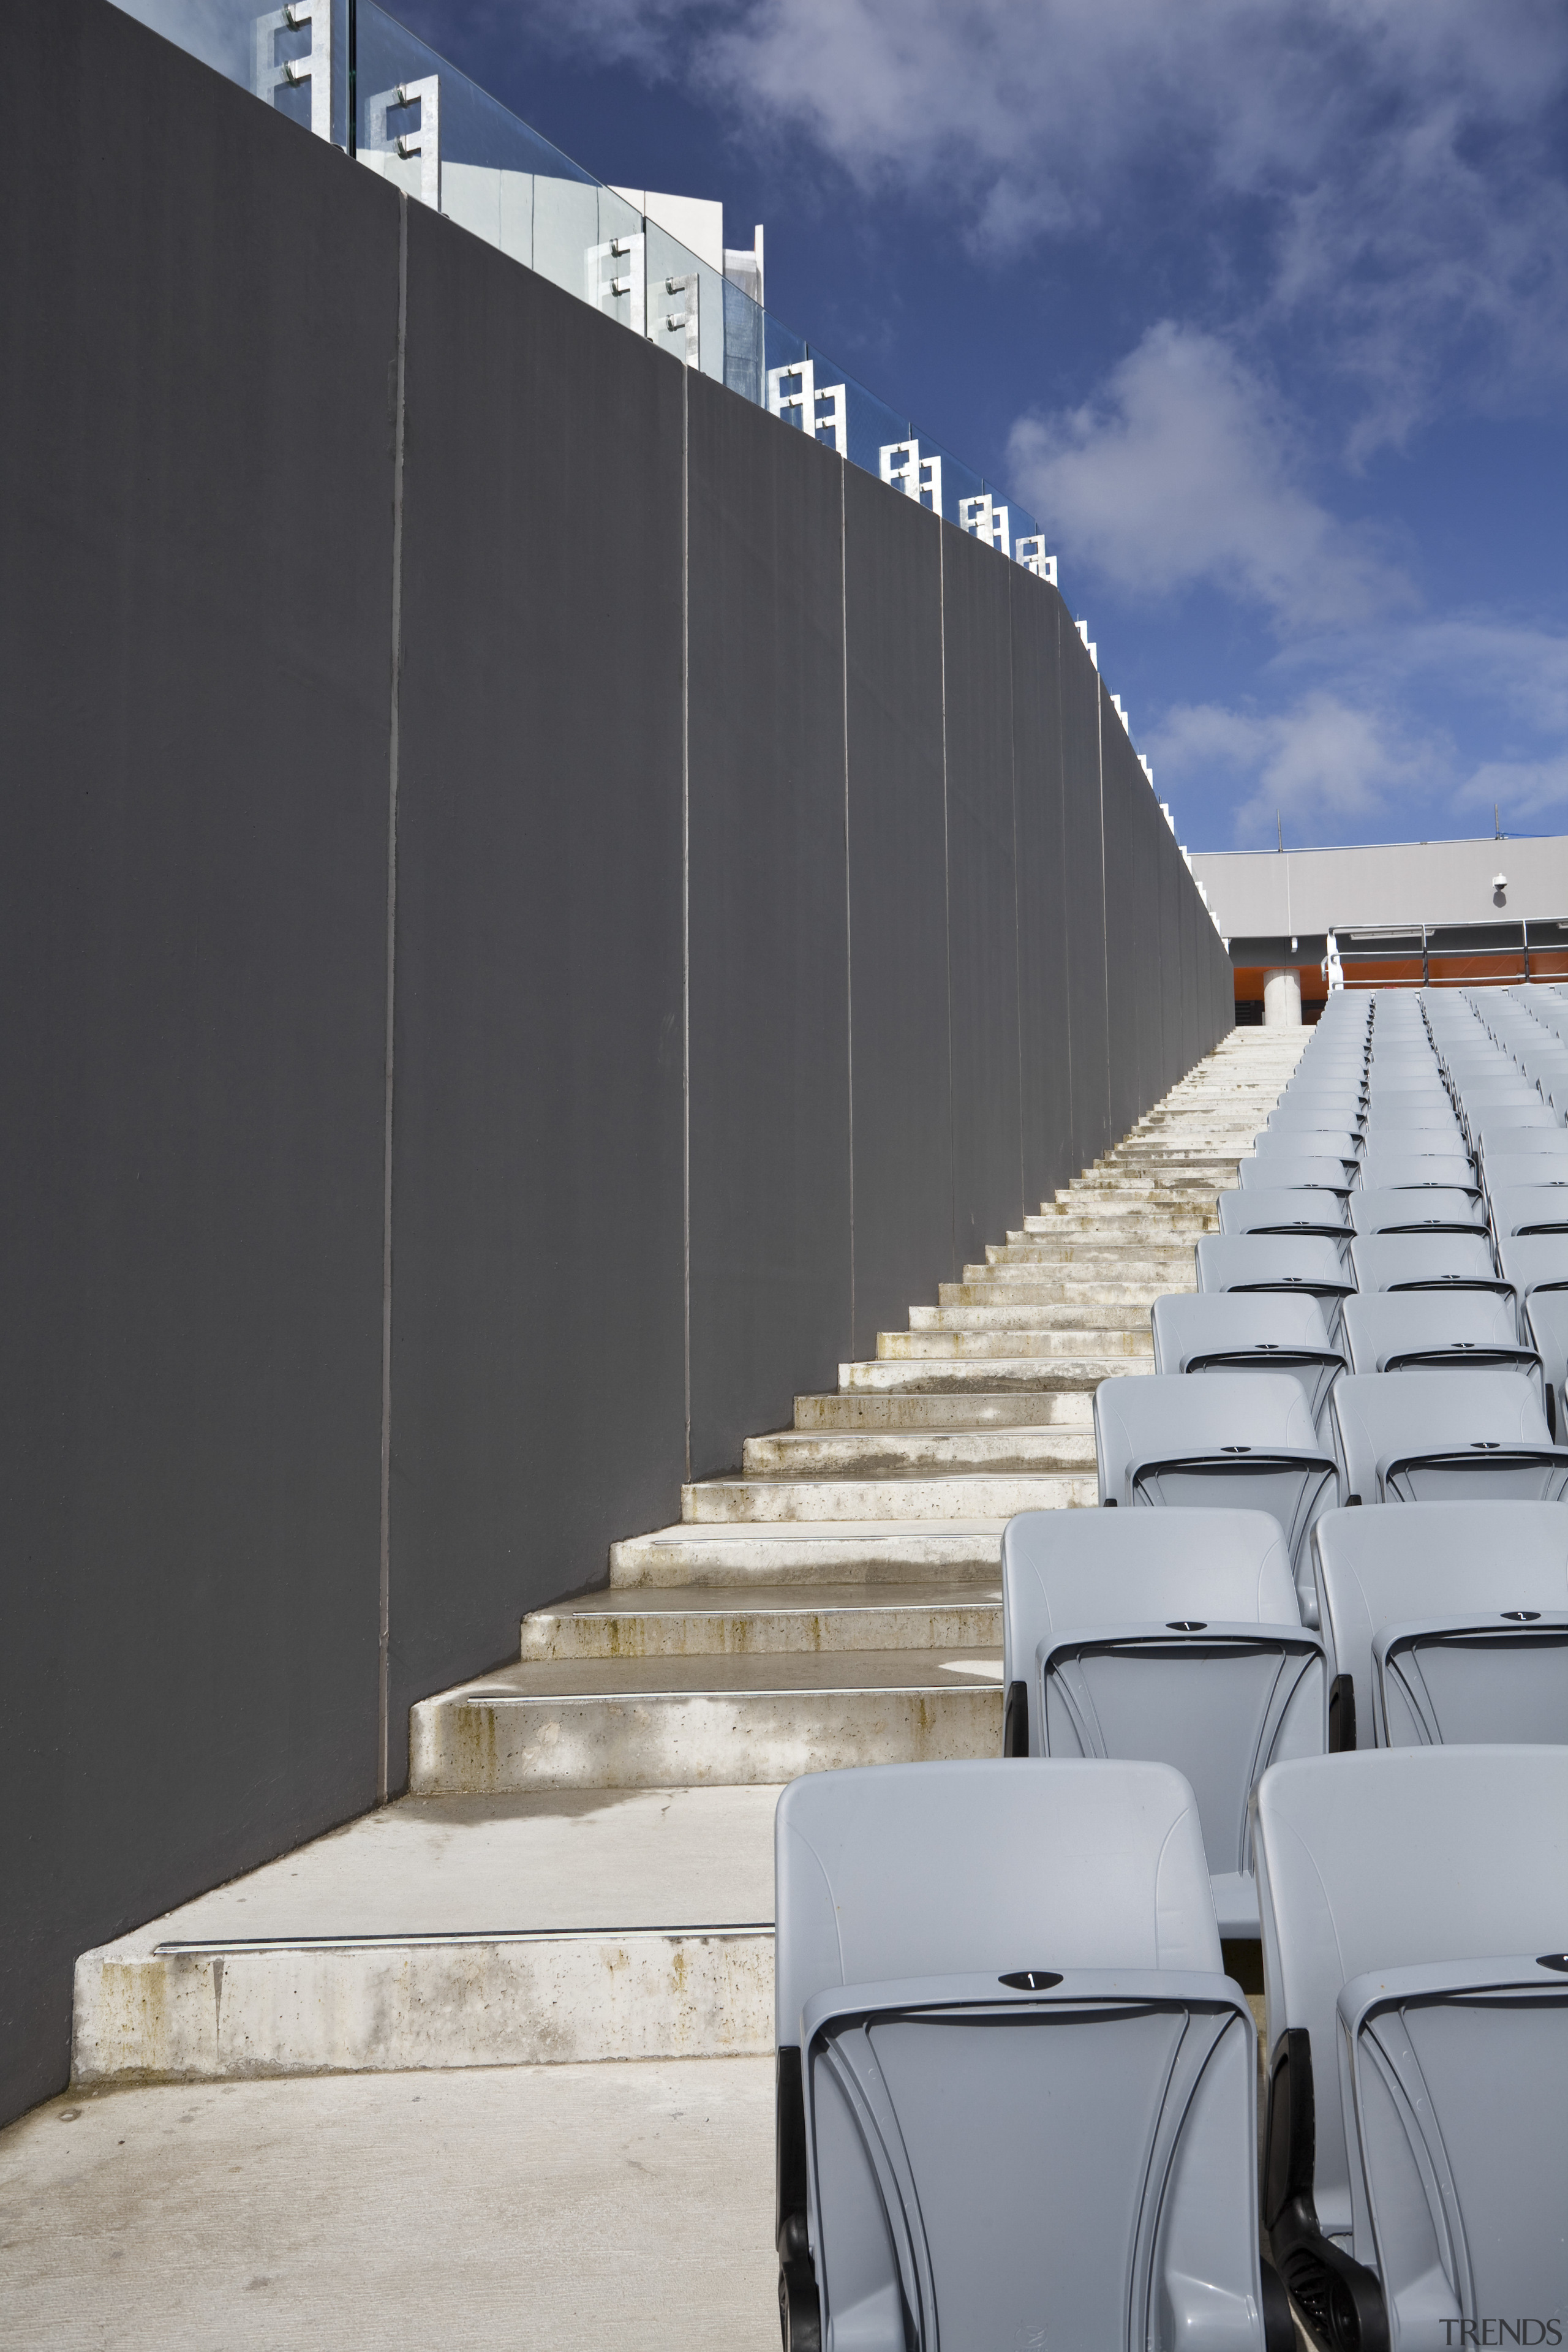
519 2210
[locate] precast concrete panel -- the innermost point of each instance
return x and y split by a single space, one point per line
195 643
538 1374
1123 952
769 923
898 905
1044 991
1085 900
1171 878
981 886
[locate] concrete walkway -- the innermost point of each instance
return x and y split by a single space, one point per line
584 1871
521 2210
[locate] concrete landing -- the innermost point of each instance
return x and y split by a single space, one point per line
458 1931
530 2208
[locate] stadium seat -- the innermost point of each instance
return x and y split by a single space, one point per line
1236 1441
1177 1639
1283 1262
1255 1211
1311 1143
1281 1172
1431 1436
1543 1318
1389 1171
1441 1330
1532 1262
1414 1926
1429 1209
1238 1331
1015 2093
1444 1622
1528 1209
1427 1262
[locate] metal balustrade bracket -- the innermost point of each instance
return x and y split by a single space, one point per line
606 285
1030 551
689 318
903 468
795 396
982 519
425 142
272 73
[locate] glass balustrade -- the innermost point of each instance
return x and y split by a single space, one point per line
358 78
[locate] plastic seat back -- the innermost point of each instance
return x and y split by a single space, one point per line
1438 1331
1425 1262
1255 1211
1281 1172
1414 1915
1176 1639
1528 1209
1398 1171
1239 1331
995 1979
1544 1317
1431 1209
1446 1622
1304 1263
1532 1262
1310 1143
1242 1441
1437 1436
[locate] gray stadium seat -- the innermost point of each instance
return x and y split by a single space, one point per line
1294 1263
1177 1640
1431 1436
1402 1209
1281 1172
1543 1319
1239 1440
1528 1209
1310 1143
1520 1131
1446 1622
1202 1331
1388 1171
1016 2096
1530 1167
1438 1330
1532 1262
1415 1914
1427 1262
1255 1211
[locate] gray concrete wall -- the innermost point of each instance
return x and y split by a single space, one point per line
749 965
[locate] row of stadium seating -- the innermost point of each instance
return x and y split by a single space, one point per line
1302 1678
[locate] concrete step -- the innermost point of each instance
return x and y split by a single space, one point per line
952 1380
766 1621
1031 1303
959 1495
915 1453
1081 1258
685 1722
810 1553
899 1408
1003 1335
1113 1223
544 1927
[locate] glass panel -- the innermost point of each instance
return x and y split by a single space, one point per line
294 58
686 312
423 124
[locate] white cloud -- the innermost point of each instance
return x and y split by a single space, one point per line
1182 474
1518 789
1397 162
1318 767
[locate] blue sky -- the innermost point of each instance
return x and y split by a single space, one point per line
1262 307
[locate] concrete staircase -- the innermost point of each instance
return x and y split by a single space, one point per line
583 1868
